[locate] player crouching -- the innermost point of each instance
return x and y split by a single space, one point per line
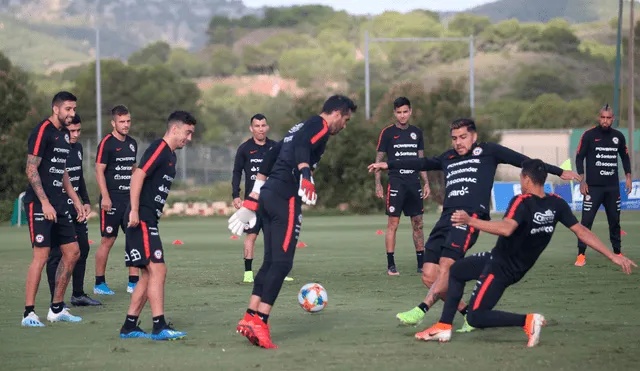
525 231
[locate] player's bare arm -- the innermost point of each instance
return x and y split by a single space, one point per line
137 179
504 227
590 239
36 183
427 190
102 184
379 189
77 202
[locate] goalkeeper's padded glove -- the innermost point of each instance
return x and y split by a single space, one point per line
244 218
307 189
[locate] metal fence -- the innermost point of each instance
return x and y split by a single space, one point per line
197 164
201 165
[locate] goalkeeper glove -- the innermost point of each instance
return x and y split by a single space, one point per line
244 218
307 189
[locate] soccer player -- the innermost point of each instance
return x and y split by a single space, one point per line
404 192
150 187
115 162
290 183
249 157
47 213
469 168
76 177
525 231
601 146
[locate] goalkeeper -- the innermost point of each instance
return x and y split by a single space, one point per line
280 200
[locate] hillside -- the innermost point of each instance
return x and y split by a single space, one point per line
125 26
574 11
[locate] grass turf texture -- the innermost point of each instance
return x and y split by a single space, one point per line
592 309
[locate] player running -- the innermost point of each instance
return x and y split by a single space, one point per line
249 157
469 168
76 177
404 192
601 146
115 162
290 183
150 187
47 213
525 231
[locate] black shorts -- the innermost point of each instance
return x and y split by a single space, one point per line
447 241
404 197
143 244
282 222
256 228
113 219
46 233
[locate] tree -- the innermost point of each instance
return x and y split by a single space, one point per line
223 61
550 111
469 24
22 107
185 64
153 54
150 92
530 82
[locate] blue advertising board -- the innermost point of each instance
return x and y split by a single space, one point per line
503 192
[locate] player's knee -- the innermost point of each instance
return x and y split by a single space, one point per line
281 268
71 253
416 222
428 278
475 318
393 223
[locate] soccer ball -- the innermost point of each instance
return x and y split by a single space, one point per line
312 297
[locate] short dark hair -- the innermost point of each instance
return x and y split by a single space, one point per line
61 97
339 103
257 116
401 101
182 117
76 120
463 123
536 170
119 110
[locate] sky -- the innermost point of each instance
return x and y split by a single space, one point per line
375 6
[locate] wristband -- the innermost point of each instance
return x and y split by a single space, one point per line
257 185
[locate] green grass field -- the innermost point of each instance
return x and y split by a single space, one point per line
592 309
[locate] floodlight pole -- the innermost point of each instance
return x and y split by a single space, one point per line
98 75
631 125
367 77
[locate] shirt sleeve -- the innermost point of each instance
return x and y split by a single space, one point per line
37 142
102 156
269 159
583 148
517 210
311 135
623 151
82 186
420 140
418 164
506 155
565 215
383 139
152 157
135 152
238 165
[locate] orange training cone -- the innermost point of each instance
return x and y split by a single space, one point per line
178 242
301 245
234 237
379 232
90 242
623 233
